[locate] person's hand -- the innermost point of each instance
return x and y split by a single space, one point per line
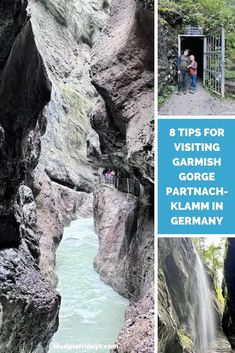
178 72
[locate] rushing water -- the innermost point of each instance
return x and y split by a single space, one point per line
91 312
203 311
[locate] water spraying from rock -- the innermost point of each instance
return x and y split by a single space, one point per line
204 319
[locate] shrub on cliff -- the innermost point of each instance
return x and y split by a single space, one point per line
209 14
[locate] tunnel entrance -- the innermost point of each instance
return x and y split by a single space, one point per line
195 46
209 52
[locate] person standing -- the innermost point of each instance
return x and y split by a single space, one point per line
183 64
193 74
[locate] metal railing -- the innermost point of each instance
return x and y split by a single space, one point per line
127 185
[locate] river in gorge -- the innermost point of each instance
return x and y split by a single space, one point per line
91 313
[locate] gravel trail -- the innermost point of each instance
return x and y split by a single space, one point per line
202 103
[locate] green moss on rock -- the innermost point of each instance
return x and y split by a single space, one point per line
185 341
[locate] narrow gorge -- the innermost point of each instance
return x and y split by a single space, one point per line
76 99
196 295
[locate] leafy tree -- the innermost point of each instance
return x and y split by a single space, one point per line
212 256
209 14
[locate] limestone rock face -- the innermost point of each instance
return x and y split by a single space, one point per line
57 205
29 305
125 261
229 292
177 298
174 308
115 216
65 32
122 73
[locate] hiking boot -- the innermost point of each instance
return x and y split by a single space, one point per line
185 92
191 91
179 93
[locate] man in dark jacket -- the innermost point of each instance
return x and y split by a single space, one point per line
183 64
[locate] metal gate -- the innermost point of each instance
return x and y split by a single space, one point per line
214 62
213 58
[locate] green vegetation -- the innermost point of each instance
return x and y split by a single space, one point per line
230 75
213 257
166 93
77 109
220 295
210 14
185 341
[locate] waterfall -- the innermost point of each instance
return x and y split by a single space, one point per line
204 319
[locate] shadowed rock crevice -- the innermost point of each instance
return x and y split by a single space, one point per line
229 292
9 232
24 91
12 19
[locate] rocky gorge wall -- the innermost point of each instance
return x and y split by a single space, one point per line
126 262
48 88
65 32
173 306
122 73
39 93
29 304
177 298
229 292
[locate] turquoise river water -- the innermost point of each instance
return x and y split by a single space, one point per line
91 313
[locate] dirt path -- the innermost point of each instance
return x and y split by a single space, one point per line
200 103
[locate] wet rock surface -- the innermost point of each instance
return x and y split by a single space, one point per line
75 25
221 345
173 309
57 206
45 89
122 73
229 293
13 16
177 298
125 261
29 304
65 32
116 216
